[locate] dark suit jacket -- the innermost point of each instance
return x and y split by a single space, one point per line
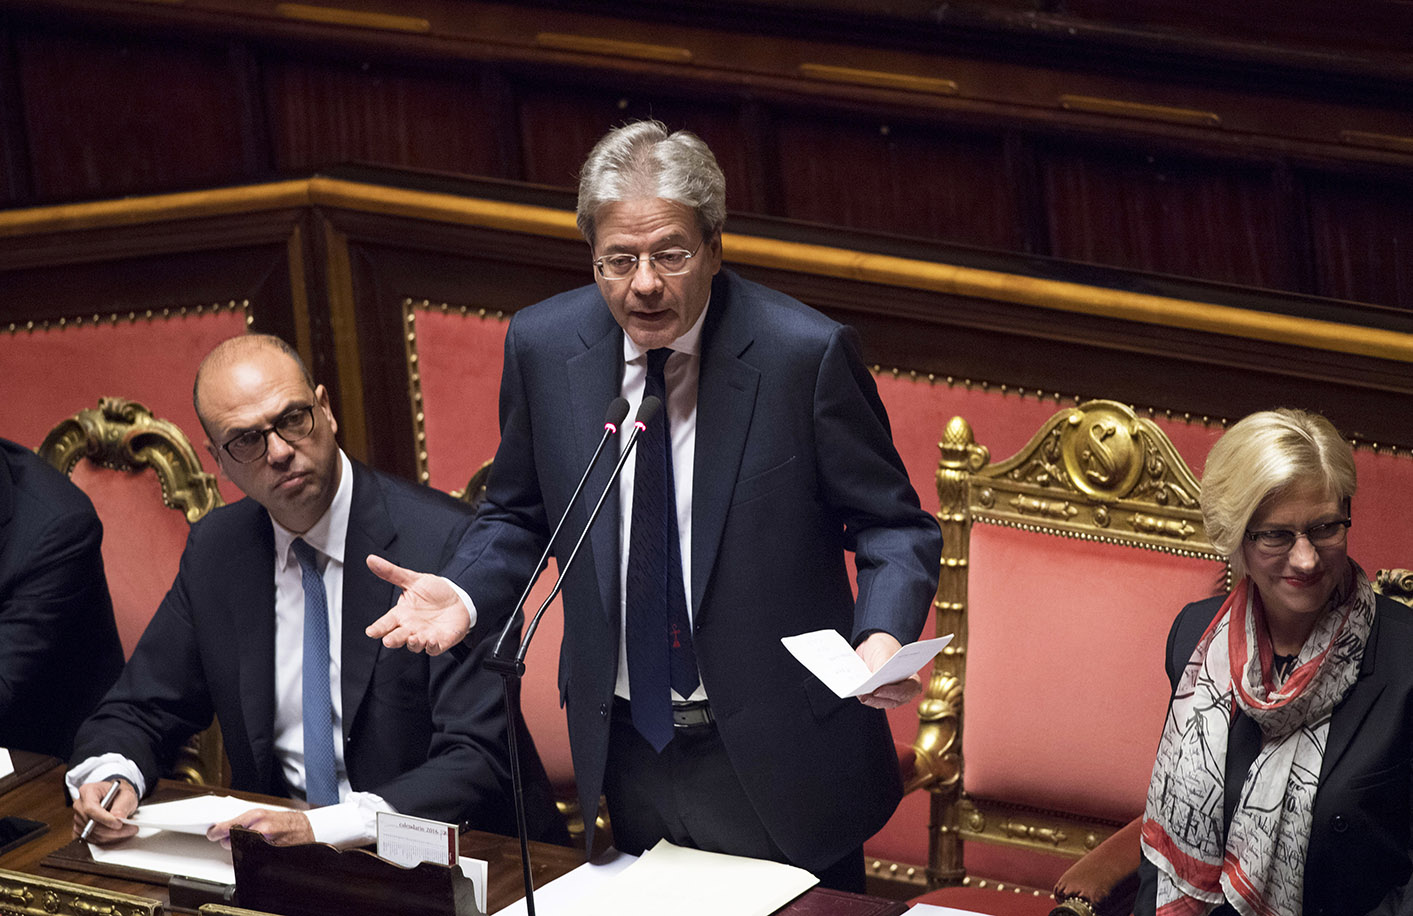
1358 860
426 734
794 466
59 649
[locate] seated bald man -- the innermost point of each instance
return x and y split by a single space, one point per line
263 628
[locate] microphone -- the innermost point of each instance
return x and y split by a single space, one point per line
515 667
646 411
613 419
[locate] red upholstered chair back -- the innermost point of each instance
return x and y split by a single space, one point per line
1063 569
138 469
454 360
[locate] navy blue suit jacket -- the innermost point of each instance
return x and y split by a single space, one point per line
794 466
59 649
426 734
1360 857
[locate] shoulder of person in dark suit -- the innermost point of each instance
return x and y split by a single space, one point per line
59 648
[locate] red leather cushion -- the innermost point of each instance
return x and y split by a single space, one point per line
1066 690
459 358
142 542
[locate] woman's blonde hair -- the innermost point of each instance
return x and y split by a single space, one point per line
1264 454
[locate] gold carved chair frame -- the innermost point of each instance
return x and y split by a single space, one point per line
1097 472
124 435
30 895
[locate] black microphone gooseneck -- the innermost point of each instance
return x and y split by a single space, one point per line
515 667
650 406
613 419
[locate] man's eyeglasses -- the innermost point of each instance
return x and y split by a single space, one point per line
252 444
670 262
1276 542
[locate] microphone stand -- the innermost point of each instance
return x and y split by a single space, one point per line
514 668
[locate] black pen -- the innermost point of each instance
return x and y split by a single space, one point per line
108 797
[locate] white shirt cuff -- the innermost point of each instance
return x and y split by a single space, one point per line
352 822
103 768
465 600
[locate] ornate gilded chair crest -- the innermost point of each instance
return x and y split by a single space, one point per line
1099 472
125 436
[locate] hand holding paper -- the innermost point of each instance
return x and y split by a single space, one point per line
831 659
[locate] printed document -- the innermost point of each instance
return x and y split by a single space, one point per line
830 658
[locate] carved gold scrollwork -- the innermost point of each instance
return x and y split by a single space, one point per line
1176 528
1020 830
32 895
125 436
935 746
1101 451
1046 508
1395 583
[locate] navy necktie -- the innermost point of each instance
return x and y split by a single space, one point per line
659 636
321 783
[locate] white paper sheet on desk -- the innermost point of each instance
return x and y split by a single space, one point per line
193 815
561 896
7 765
831 659
689 882
172 838
170 853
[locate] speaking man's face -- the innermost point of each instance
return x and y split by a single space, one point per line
654 310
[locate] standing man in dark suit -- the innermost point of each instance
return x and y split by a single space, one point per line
728 531
59 648
245 633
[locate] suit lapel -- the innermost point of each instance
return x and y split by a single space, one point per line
1349 715
250 596
365 596
726 398
594 380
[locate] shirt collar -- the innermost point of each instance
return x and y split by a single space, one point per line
331 530
689 342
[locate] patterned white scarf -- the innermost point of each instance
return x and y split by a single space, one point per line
1261 869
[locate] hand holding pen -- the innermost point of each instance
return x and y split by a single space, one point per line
99 809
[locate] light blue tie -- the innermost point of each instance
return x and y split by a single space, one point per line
321 784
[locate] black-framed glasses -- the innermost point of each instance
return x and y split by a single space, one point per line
251 445
1278 541
670 262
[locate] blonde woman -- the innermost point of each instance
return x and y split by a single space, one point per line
1282 779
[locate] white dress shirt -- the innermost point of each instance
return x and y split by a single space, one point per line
354 819
681 373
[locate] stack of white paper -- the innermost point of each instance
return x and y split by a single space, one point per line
670 879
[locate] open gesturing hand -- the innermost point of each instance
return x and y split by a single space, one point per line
428 617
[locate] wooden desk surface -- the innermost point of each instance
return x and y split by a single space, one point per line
43 798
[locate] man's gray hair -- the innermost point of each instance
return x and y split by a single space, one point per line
642 159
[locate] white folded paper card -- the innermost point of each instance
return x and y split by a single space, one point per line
193 815
7 766
830 658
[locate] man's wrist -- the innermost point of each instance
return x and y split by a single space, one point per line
119 777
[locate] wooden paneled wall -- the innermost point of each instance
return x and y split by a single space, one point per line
1143 136
328 262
